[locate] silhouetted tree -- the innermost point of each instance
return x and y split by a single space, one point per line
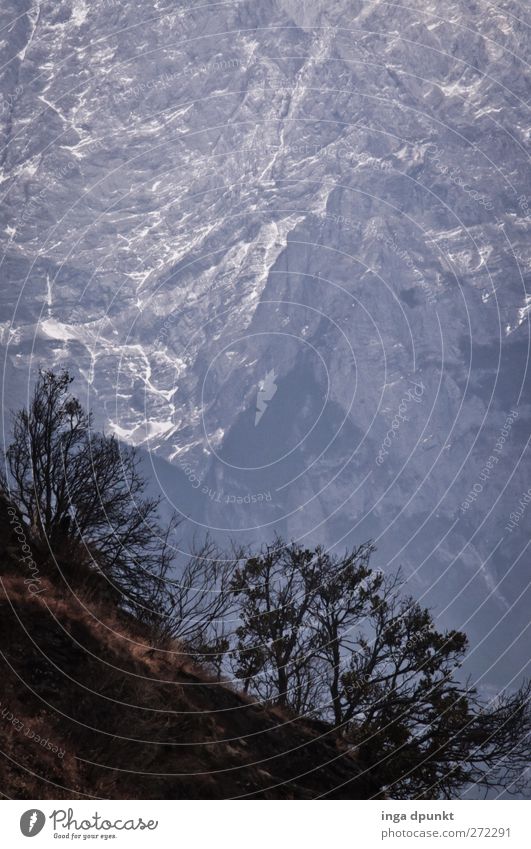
276 590
346 588
427 733
317 633
325 634
74 486
199 603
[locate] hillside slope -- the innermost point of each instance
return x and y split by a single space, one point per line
117 719
335 193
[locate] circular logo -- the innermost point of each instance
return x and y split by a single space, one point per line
32 822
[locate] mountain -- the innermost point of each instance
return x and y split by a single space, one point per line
328 200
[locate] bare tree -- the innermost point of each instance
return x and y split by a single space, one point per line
83 492
326 634
346 585
316 632
394 687
199 604
276 589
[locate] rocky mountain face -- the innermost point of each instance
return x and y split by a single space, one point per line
284 247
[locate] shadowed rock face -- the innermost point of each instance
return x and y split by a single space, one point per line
332 193
88 709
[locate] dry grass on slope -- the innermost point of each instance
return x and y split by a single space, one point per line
134 722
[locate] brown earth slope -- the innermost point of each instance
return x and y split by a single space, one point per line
117 719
